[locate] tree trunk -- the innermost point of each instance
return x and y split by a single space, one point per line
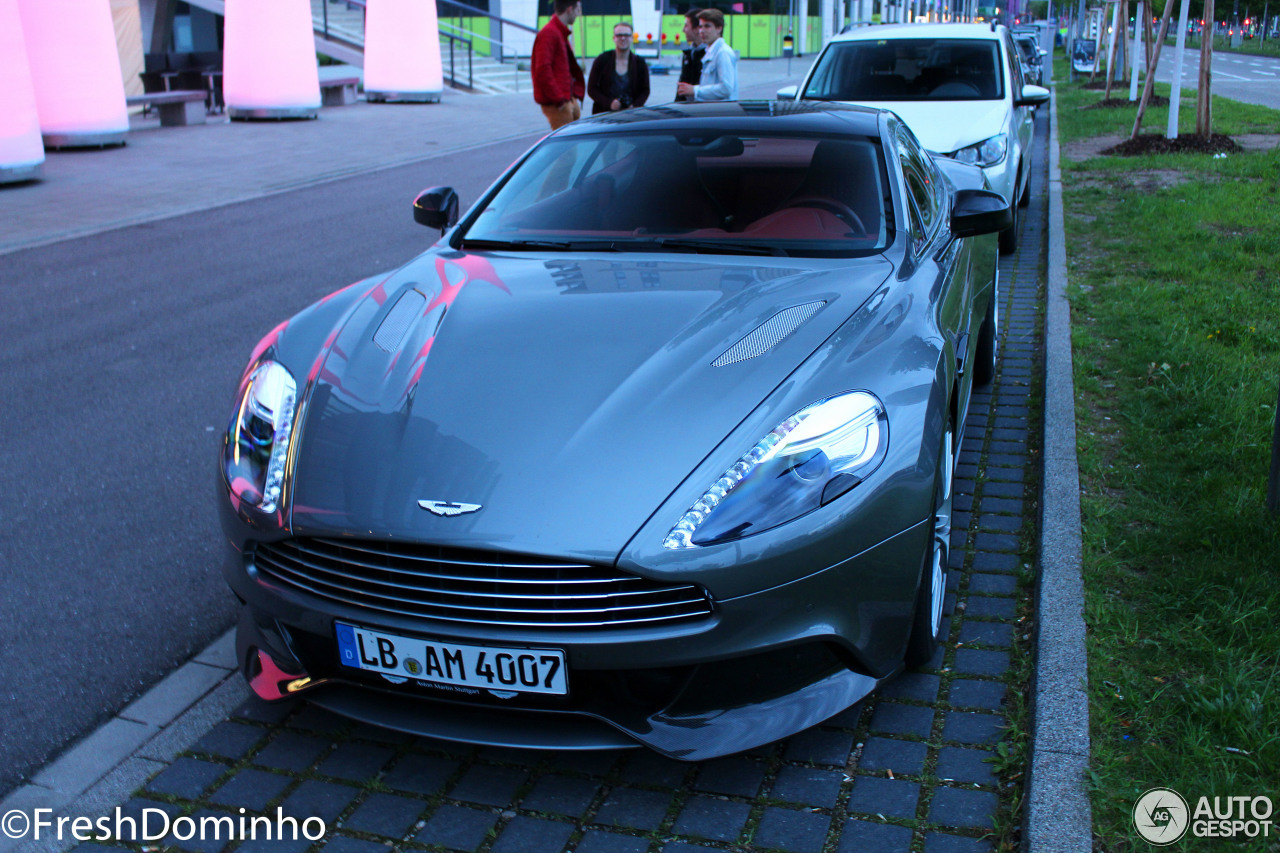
1146 28
1122 34
1111 50
1150 83
1204 99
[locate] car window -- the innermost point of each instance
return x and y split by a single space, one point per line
796 194
924 191
1015 67
908 70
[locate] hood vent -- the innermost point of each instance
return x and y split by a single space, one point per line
398 320
769 334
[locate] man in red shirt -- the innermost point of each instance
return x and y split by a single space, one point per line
558 84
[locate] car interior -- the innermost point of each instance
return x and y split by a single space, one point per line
908 70
724 187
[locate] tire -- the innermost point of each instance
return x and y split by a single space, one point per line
1009 237
985 353
1025 199
926 626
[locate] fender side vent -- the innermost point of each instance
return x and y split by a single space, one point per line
398 320
769 334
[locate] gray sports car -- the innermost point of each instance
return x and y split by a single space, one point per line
654 446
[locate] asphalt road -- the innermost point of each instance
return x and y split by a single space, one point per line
1251 79
121 355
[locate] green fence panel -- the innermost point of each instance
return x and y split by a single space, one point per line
673 29
750 35
593 35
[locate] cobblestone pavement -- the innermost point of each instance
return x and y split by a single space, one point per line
914 767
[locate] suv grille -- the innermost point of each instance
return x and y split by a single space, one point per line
478 587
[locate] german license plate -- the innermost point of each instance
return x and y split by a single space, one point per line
485 667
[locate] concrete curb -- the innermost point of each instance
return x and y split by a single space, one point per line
1057 812
113 761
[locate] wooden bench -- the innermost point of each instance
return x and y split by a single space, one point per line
338 85
177 108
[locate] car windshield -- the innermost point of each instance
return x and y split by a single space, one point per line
940 69
695 191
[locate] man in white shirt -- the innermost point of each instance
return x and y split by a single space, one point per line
719 65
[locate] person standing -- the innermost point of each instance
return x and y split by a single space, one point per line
719 65
619 79
691 58
558 86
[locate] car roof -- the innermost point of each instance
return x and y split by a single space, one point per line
922 31
738 116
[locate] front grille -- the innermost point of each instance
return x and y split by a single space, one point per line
477 587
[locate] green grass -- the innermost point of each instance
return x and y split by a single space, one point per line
1076 121
1174 264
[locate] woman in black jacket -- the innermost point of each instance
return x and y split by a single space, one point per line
619 79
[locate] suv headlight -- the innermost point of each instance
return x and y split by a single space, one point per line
986 153
257 443
808 460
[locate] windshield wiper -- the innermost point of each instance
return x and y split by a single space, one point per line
723 247
719 247
536 245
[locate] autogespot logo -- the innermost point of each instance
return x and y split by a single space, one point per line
1160 816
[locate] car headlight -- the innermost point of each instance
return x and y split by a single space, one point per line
257 443
986 153
808 460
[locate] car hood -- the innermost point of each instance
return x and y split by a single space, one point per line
566 396
947 126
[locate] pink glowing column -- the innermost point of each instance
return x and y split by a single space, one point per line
75 71
269 60
402 51
21 151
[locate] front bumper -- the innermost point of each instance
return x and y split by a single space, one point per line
761 667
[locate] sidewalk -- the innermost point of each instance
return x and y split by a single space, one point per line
163 172
913 767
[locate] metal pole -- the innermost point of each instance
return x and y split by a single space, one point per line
1135 63
1175 93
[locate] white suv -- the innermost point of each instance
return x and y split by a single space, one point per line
959 87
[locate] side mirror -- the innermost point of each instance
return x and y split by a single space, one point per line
436 207
788 93
979 212
1032 96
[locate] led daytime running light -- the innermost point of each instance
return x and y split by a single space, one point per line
274 484
268 403
681 535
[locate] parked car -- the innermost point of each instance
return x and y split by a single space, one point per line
654 446
1031 55
959 87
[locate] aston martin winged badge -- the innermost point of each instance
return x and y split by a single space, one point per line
447 508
